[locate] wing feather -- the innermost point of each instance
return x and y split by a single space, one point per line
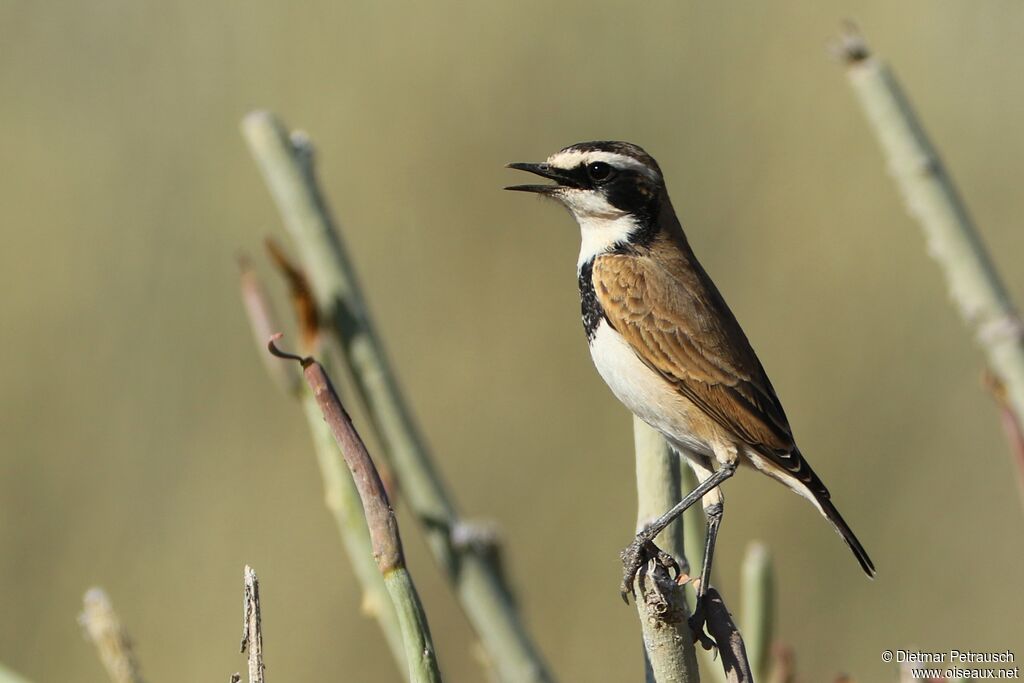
678 324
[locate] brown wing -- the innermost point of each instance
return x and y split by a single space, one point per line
679 325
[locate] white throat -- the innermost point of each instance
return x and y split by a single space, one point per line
602 225
600 234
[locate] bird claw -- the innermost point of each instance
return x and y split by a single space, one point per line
635 558
697 622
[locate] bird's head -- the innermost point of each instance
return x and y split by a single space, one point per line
614 190
599 180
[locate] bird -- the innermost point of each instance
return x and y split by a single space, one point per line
669 347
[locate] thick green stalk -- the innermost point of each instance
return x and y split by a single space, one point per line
932 199
9 676
419 649
757 602
287 168
661 602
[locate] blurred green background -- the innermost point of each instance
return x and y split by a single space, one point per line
143 448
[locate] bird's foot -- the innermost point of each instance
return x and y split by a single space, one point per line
697 622
635 559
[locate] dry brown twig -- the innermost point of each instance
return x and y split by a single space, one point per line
380 518
730 644
783 669
311 332
1011 425
302 296
105 630
340 494
252 627
385 541
262 321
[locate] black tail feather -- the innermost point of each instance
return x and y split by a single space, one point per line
846 532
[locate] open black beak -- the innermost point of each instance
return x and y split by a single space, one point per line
545 171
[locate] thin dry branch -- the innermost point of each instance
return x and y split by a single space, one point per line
730 643
262 322
252 626
1011 427
380 517
105 630
380 521
303 301
783 669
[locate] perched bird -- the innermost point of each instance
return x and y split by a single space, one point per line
666 343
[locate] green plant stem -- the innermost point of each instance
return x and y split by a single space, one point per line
286 164
932 199
757 604
9 676
412 620
661 602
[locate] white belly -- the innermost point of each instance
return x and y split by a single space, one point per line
642 390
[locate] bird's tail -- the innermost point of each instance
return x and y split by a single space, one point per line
803 481
844 530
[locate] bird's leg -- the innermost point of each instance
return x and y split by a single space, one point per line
713 503
642 549
713 512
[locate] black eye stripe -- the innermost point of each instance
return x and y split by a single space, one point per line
580 176
586 176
